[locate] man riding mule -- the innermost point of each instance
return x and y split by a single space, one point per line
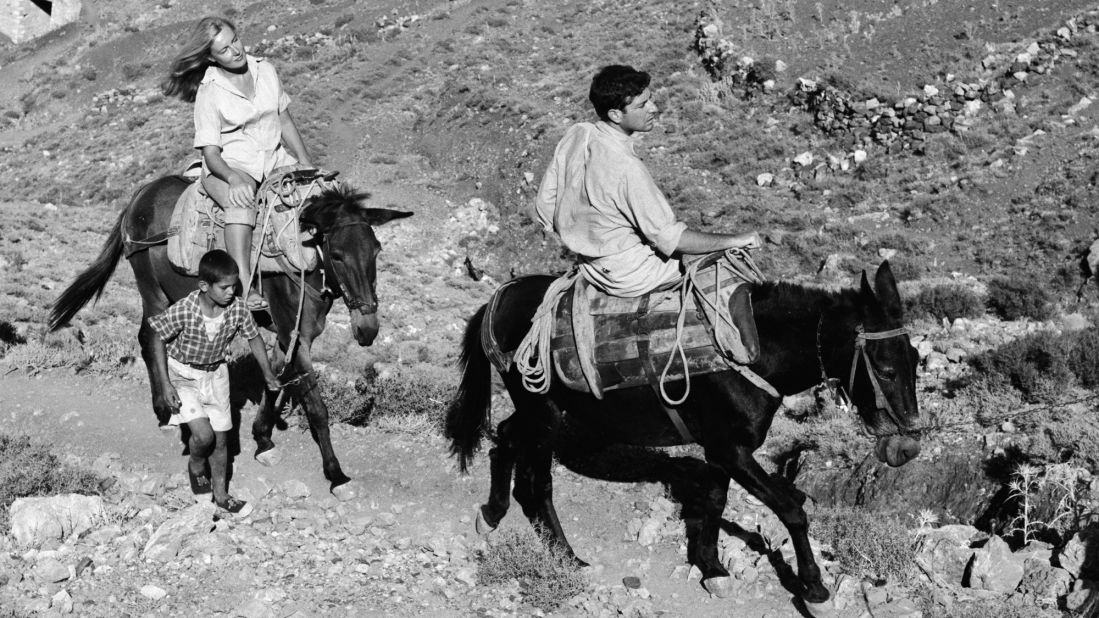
608 349
600 199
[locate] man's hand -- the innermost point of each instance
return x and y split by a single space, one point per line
749 240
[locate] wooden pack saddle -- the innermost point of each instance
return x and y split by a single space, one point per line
597 342
626 342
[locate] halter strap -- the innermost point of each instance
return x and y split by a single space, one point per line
880 399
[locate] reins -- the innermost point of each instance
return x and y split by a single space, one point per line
744 267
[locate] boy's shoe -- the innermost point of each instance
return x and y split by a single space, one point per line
200 484
232 508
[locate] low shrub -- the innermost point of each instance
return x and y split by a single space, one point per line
1021 296
1083 359
1036 365
414 401
547 576
27 469
865 543
950 301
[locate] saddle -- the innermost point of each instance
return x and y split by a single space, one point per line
603 342
197 224
600 342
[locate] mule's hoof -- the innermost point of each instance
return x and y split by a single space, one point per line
720 587
815 593
345 492
270 457
481 524
820 610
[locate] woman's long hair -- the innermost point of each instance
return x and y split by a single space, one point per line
189 66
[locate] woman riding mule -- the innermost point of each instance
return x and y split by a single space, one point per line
341 226
806 336
242 124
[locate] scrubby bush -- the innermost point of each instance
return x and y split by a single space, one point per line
415 400
866 544
28 469
1021 296
1083 359
547 576
950 301
1035 365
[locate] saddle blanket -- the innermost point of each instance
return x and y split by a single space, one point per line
197 226
627 342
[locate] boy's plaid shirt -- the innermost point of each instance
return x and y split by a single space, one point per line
181 327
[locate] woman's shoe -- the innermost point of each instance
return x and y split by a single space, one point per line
255 301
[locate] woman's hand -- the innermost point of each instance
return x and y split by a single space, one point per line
242 193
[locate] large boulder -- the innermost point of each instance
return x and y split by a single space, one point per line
171 536
1044 580
1078 556
36 520
946 551
995 568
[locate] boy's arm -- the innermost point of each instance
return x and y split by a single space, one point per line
160 358
260 352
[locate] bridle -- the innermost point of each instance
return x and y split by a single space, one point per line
366 305
861 337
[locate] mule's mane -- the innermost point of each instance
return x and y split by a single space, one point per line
333 204
800 301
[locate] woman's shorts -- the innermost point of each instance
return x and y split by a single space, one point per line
247 216
202 394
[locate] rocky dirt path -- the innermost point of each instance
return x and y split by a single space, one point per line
404 546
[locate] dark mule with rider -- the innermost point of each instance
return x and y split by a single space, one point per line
334 222
806 336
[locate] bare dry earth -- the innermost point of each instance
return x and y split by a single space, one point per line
420 130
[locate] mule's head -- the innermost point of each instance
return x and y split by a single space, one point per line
344 231
882 378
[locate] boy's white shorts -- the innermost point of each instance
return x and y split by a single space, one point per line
202 394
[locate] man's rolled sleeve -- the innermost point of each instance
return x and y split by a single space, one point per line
207 120
650 211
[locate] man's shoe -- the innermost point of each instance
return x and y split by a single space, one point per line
232 508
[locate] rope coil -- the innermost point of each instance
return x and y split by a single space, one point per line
532 357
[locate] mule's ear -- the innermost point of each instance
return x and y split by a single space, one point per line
379 216
885 287
865 290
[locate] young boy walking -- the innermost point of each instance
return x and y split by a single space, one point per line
191 343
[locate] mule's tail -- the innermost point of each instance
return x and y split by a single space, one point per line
91 282
469 411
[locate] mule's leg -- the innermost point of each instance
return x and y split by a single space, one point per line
703 526
307 392
538 423
501 464
262 428
153 302
534 491
785 500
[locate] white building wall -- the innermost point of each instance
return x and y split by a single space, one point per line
22 20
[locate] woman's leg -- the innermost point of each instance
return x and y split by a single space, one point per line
238 236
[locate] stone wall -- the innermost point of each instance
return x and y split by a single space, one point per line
23 20
900 123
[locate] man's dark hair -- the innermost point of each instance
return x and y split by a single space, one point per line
216 265
614 86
